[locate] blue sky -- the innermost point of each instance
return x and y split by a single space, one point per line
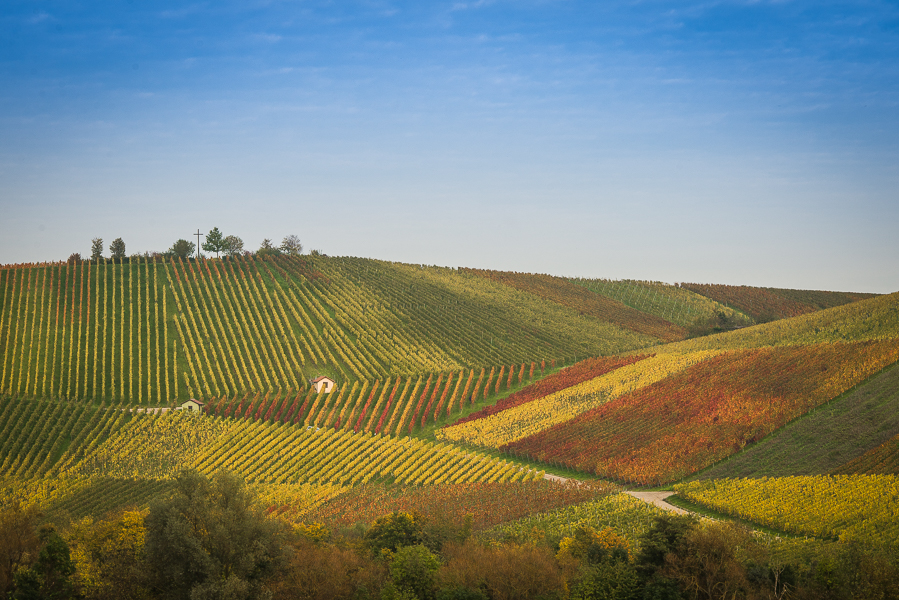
731 142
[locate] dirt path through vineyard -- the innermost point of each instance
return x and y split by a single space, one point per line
658 499
655 498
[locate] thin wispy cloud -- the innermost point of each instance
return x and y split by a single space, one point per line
39 18
271 38
471 5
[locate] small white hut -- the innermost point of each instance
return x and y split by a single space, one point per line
323 384
192 406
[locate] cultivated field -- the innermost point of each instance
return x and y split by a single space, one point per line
459 393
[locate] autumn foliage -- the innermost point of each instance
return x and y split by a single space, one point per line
686 422
585 370
487 504
848 507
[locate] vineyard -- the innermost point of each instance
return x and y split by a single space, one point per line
625 514
883 460
499 321
159 446
825 439
686 422
873 319
37 437
669 302
458 389
96 495
150 332
585 302
769 304
67 497
568 377
486 504
502 428
87 331
130 456
397 406
848 507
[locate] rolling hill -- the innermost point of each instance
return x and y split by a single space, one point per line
457 384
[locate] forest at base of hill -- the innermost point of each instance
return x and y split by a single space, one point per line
183 546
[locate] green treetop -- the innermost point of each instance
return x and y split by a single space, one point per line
182 249
117 248
96 249
215 242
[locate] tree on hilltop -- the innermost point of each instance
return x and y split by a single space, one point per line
268 249
117 248
214 242
96 249
182 249
291 245
232 245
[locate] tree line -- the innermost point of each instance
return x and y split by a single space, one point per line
209 539
216 241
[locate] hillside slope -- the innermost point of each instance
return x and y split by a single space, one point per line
414 348
82 457
586 302
151 332
673 303
883 460
769 304
872 319
696 401
687 421
822 441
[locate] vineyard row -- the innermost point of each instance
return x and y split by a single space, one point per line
150 333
